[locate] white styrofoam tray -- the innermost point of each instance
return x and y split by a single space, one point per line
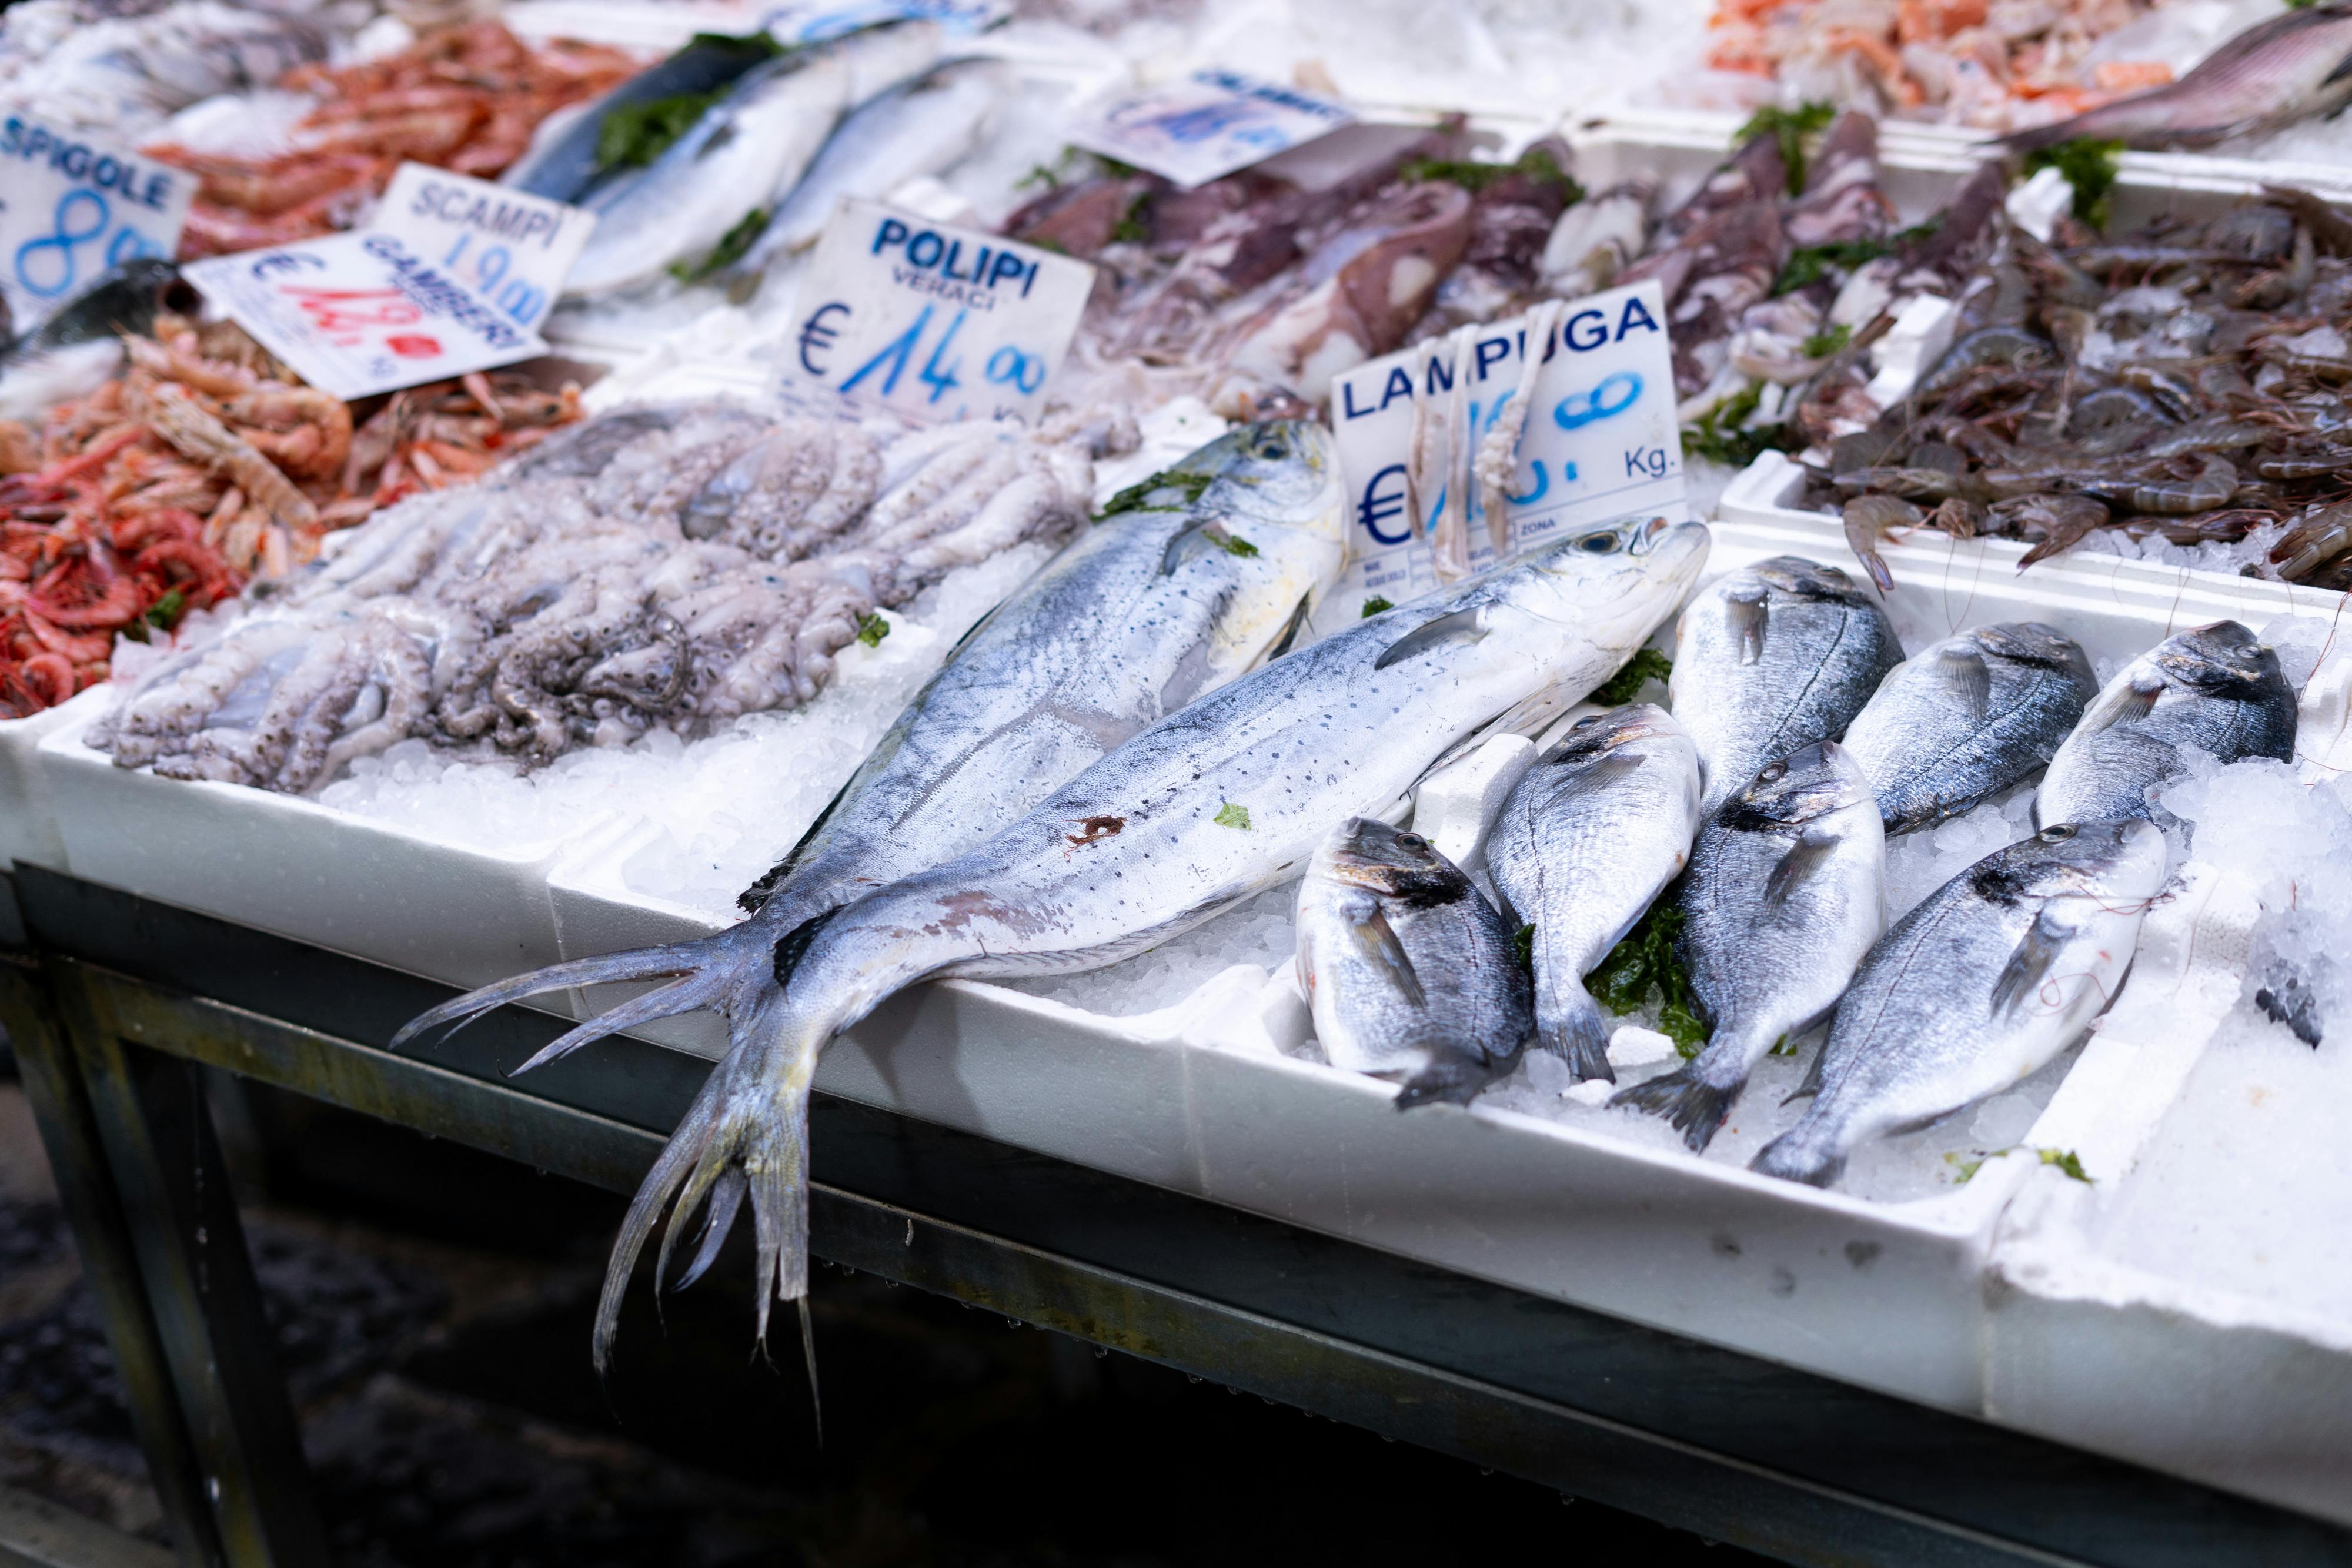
1202 1096
29 828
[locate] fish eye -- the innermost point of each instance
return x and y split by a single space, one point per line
1773 773
1587 722
1412 842
2058 834
1601 543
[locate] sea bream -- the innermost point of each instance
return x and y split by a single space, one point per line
1775 656
1994 974
1202 809
1587 839
1964 719
1786 891
1408 971
565 159
2216 689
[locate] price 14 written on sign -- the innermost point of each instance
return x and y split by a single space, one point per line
71 206
934 321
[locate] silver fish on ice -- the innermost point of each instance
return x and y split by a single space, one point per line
2216 689
1587 840
1989 977
1964 719
1215 802
1772 658
1786 891
1410 973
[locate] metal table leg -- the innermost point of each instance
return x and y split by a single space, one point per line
93 1207
199 1286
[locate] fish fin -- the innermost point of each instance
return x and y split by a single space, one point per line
1289 638
1806 856
1379 940
2029 966
1599 775
1697 1107
1455 1079
1193 540
2343 68
1581 1039
1750 611
2128 706
1465 626
1793 1156
1811 1087
726 1200
1970 676
808 1354
668 962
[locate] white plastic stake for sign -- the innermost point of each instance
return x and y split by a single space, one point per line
1210 123
1599 440
356 314
513 248
71 206
930 320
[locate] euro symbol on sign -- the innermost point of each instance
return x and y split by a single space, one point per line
815 334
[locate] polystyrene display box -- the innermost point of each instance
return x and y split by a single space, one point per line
283 864
1203 1098
28 827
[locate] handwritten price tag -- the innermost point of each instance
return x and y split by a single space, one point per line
70 207
363 313
1210 123
513 248
934 321
1601 440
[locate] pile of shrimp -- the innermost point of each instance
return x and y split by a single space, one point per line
465 99
1997 64
205 465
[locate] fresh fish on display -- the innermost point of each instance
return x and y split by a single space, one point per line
1408 971
2217 689
1587 839
1771 658
567 164
1786 891
1980 986
1211 804
122 76
2288 67
1964 719
922 126
740 158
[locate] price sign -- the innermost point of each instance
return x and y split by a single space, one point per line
70 207
932 321
1210 123
513 248
362 313
815 22
1599 440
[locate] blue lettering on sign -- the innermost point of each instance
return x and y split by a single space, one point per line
1617 393
1543 484
926 250
1585 330
57 249
1634 311
1378 506
1492 351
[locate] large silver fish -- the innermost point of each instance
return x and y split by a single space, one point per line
1783 654
2216 689
1589 836
1409 971
1200 810
1786 891
1979 986
2288 67
564 162
1958 722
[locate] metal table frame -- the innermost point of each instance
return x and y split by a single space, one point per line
114 1001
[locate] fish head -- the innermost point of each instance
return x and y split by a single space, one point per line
2223 659
1611 583
1794 575
1597 735
2122 862
1366 852
1281 470
1808 784
2033 642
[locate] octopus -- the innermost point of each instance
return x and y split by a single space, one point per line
676 566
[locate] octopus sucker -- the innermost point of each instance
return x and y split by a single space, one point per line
674 567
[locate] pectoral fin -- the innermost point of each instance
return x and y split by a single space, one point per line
1456 626
1379 940
1289 637
2021 977
2128 706
1806 856
1965 671
1750 614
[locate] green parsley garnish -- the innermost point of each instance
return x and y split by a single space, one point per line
633 134
1232 816
2067 1161
2089 166
1644 962
1136 498
1040 177
164 613
1721 435
1537 163
1130 227
1821 345
1233 544
872 629
729 250
1791 127
1647 664
1373 606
